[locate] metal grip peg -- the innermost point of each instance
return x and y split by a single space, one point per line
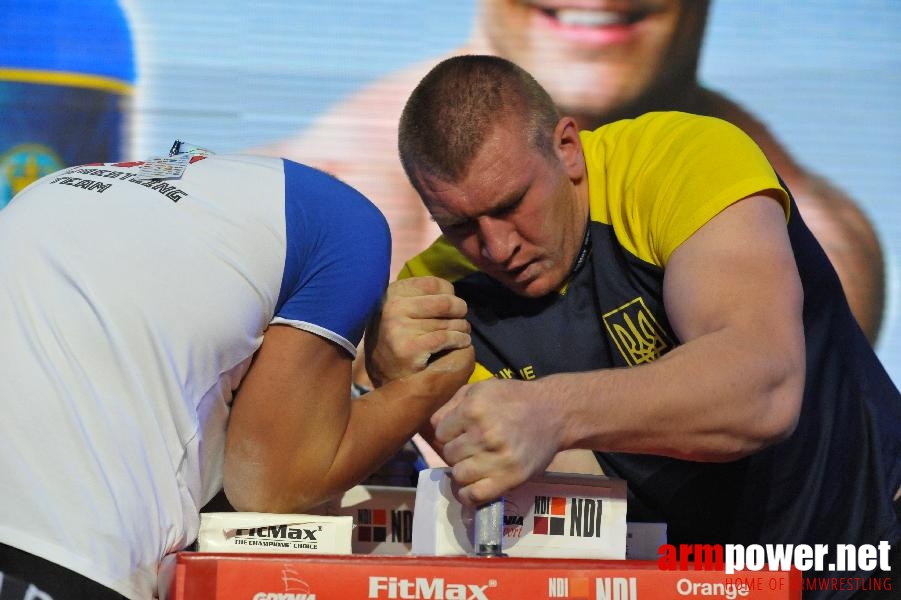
488 530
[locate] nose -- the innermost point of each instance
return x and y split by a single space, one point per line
498 240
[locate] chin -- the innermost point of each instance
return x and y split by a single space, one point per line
536 286
534 289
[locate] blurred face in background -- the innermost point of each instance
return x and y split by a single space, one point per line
597 58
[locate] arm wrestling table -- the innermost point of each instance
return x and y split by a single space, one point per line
210 576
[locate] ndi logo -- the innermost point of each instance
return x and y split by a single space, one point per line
372 525
566 588
583 518
616 588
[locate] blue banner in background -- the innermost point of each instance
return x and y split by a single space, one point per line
67 70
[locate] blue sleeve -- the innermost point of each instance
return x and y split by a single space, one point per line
337 260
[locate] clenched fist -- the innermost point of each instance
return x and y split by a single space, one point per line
420 317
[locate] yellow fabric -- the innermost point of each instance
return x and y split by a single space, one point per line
480 373
440 259
658 178
67 79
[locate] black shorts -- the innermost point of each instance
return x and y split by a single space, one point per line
28 576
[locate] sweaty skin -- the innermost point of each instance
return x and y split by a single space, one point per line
601 60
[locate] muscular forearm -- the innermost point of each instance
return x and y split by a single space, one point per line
338 448
498 433
382 420
711 400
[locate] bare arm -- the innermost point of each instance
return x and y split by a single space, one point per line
734 386
295 438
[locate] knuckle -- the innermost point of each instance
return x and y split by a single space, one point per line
396 288
482 492
443 286
435 304
471 410
429 284
461 474
451 454
443 304
495 440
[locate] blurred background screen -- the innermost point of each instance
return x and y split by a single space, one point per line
824 76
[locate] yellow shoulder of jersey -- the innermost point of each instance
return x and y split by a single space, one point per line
440 259
658 178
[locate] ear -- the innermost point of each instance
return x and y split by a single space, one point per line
568 146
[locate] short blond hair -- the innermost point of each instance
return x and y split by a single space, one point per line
453 109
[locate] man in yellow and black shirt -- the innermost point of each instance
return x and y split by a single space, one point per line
647 291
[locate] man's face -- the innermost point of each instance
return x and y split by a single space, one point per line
516 214
596 57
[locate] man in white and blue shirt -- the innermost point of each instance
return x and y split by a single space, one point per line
132 306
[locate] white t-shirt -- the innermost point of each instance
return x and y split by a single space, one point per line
129 312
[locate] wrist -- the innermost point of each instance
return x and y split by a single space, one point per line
559 410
